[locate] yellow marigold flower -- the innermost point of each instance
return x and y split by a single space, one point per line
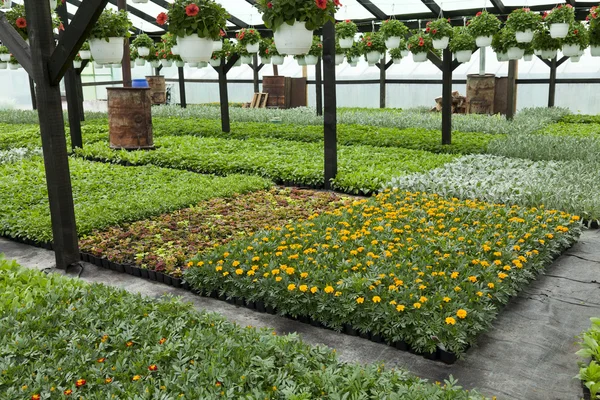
337 294
450 321
239 271
473 278
226 254
250 273
486 247
549 236
290 271
189 264
422 287
516 247
360 300
219 268
225 273
304 275
275 271
235 263
417 305
457 289
278 279
329 289
447 299
136 378
314 289
491 285
303 288
497 254
393 302
400 307
454 275
291 287
376 299
423 299
200 263
502 275
479 294
461 314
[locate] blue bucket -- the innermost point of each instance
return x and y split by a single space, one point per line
139 83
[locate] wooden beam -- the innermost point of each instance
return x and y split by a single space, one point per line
126 61
16 44
142 15
433 6
382 94
499 6
237 22
373 9
182 96
319 86
330 117
32 92
255 73
511 92
224 97
231 62
447 97
552 85
431 56
74 35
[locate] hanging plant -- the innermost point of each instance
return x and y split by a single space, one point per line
524 22
354 53
545 43
419 43
107 36
392 28
396 55
559 19
142 40
462 40
265 48
250 38
499 44
576 41
346 29
370 42
17 19
483 26
594 30
514 49
440 31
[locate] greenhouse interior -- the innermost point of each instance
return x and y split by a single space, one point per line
299 199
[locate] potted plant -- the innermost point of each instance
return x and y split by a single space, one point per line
264 50
345 32
245 57
594 30
440 31
419 45
152 58
396 55
523 22
545 43
218 43
170 40
196 24
16 17
276 58
373 47
392 32
13 63
249 38
77 61
84 51
529 51
404 48
462 45
576 41
293 21
107 36
4 54
559 19
483 27
499 46
143 43
179 63
353 54
300 58
315 51
339 52
514 49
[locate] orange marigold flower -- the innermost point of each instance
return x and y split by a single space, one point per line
153 367
376 299
162 341
136 378
108 380
101 360
36 397
80 382
68 392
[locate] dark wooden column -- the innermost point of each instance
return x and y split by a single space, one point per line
126 63
319 87
255 73
330 118
80 98
552 85
511 91
32 91
224 96
182 97
447 97
275 70
382 71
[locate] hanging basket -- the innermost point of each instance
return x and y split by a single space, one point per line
441 44
202 64
393 42
13 66
570 50
419 57
140 62
559 31
97 65
265 60
524 36
193 48
404 53
215 63
339 58
252 48
166 63
311 60
85 54
246 59
548 54
346 43
140 1
175 49
180 64
293 39
595 51
396 60
217 45
301 61
354 63
4 57
53 4
277 60
143 51
483 41
528 57
3 65
155 64
501 57
76 64
575 58
515 53
115 65
463 56
107 52
193 65
373 57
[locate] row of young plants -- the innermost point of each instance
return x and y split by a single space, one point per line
589 369
105 195
65 338
581 119
361 169
524 182
411 267
164 243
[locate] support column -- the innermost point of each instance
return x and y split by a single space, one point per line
52 129
32 91
275 70
447 97
330 118
182 97
255 73
511 91
482 55
126 64
319 87
80 96
552 85
382 73
224 97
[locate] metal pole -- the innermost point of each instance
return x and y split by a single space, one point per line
255 73
552 86
182 96
32 91
447 97
126 64
382 73
225 126
511 91
319 86
482 55
330 118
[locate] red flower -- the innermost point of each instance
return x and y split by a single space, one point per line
162 18
427 30
337 3
478 14
251 31
80 382
266 51
68 392
322 4
434 31
36 397
21 23
222 33
153 367
61 27
587 18
348 21
269 5
369 44
569 6
192 10
576 32
428 23
218 384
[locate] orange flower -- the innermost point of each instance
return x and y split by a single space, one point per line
136 378
129 344
80 382
36 397
101 360
162 341
108 380
153 367
68 392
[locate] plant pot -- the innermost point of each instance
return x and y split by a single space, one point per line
143 51
404 53
180 64
152 275
595 51
260 306
515 53
193 65
354 63
463 56
105 263
115 65
4 57
371 64
107 52
85 54
339 58
419 57
277 60
140 62
215 63
13 66
441 44
575 59
175 50
140 1
193 48
447 357
5 4
396 60
144 273
167 280
52 4
401 345
202 64
548 54
217 45
537 52
346 43
311 60
373 57
570 50
252 48
166 63
135 271
483 41
528 57
155 64
559 30
524 36
293 39
160 277
265 60
246 59
349 330
393 42
76 64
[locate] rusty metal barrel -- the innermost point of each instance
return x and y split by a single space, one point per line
158 89
481 91
130 118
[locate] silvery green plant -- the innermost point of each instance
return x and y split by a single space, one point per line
18 154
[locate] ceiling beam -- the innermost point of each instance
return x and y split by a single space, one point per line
433 6
372 8
237 22
499 6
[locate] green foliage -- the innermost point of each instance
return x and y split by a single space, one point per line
578 34
208 22
267 48
17 12
523 19
277 13
143 40
4 50
560 14
355 52
589 374
316 49
111 24
594 26
484 24
346 29
247 36
372 42
392 28
419 42
85 46
581 119
104 194
439 28
462 40
395 53
510 39
543 41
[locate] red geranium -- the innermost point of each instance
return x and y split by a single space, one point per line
337 3
322 4
192 10
162 18
21 23
222 33
270 5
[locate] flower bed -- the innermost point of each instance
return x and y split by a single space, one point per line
589 371
581 119
66 338
362 169
408 267
165 242
104 194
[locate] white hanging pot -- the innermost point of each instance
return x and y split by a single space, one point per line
115 65
107 52
353 63
194 48
140 62
404 53
143 51
180 64
4 57
293 39
265 60
393 42
346 43
537 52
595 51
483 41
501 57
524 36
175 50
217 45
215 63
419 57
140 1
252 48
311 60
3 65
301 61
5 4
202 64
193 65
76 64
238 63
155 64
166 63
85 54
373 57
396 60
570 50
246 59
463 56
575 58
97 65
559 31
528 57
441 44
13 66
548 54
277 60
53 4
515 53
339 58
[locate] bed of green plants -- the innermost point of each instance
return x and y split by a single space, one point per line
361 169
589 370
581 119
63 338
410 267
164 243
547 147
571 129
105 194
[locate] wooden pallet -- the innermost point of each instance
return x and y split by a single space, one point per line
259 100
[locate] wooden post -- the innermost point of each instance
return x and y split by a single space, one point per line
80 93
552 85
182 96
511 91
224 97
447 97
32 91
330 118
319 87
52 129
255 73
276 70
126 64
382 73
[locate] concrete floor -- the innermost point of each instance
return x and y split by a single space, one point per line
528 355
